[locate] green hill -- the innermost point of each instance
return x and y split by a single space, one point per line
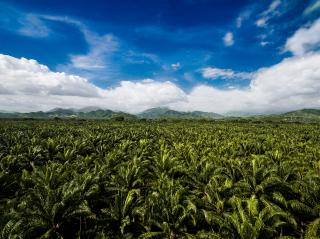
166 113
304 113
71 113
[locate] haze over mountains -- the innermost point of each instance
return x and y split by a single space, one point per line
153 113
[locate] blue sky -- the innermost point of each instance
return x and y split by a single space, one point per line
219 44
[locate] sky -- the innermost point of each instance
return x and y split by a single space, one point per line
223 56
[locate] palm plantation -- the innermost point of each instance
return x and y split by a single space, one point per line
95 179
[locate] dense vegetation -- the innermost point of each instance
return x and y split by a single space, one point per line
95 179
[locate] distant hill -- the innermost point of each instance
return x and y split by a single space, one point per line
88 109
72 113
96 113
166 113
304 113
302 116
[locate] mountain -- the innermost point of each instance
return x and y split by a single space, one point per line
166 113
304 113
298 116
88 109
106 114
4 111
72 113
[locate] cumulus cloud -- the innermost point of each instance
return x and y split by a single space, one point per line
27 85
23 76
292 84
141 95
210 99
228 39
305 39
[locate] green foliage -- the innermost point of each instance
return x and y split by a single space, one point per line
94 179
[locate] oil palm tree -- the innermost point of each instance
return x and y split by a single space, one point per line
250 220
168 212
53 205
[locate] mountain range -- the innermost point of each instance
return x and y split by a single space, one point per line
153 113
166 113
85 113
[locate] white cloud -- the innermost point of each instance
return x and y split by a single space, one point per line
214 73
228 39
304 40
262 22
264 43
210 72
23 76
141 58
272 8
33 26
239 22
100 46
26 85
315 6
269 13
27 24
211 99
98 62
242 17
36 25
176 66
141 95
292 84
